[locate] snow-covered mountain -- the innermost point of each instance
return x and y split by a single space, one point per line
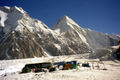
95 40
99 40
67 24
23 37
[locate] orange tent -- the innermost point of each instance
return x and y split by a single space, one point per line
67 66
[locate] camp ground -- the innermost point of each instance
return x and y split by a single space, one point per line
48 66
58 63
59 68
67 64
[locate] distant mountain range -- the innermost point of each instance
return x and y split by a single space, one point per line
24 37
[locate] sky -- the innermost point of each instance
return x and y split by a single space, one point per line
99 15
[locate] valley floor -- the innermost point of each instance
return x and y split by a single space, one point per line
112 72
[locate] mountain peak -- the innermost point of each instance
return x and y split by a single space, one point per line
15 18
10 17
8 9
11 13
64 24
64 17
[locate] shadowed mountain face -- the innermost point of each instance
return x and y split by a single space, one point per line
24 37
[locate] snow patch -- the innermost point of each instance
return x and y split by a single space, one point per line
58 46
7 7
57 31
19 9
47 53
115 47
3 18
69 20
83 38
